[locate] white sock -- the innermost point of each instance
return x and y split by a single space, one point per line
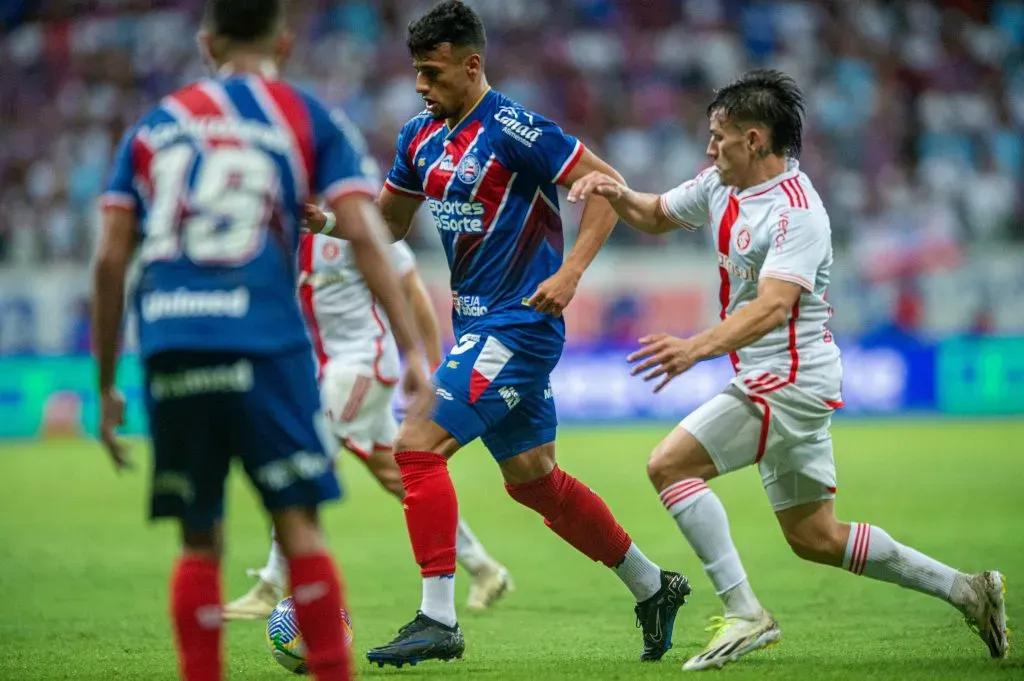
276 570
469 551
639 574
702 519
439 599
871 552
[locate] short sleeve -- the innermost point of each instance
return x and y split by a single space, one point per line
403 178
121 191
402 258
798 244
688 204
339 167
535 145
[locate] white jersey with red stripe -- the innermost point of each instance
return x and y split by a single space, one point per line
778 229
344 321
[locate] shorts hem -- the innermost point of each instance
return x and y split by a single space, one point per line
543 437
459 437
786 505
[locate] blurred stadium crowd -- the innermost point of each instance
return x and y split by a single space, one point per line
915 110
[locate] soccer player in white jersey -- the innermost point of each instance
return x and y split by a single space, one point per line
359 368
774 254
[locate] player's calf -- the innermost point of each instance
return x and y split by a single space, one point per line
383 467
196 604
578 515
815 535
316 591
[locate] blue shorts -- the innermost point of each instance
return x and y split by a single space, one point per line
207 408
496 386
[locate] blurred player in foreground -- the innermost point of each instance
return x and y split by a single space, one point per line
774 256
359 367
488 170
210 187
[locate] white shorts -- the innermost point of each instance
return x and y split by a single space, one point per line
784 433
358 407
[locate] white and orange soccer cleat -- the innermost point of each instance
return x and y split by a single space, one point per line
488 585
257 603
734 637
981 598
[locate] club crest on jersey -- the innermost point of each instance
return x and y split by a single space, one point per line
468 170
330 251
743 241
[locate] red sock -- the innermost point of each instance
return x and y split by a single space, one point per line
431 511
196 612
317 595
576 514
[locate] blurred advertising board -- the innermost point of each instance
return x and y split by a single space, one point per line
882 377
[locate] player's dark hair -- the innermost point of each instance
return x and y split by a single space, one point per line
449 22
770 98
246 21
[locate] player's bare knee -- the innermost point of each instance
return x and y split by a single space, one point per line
677 457
297 530
425 436
384 468
531 465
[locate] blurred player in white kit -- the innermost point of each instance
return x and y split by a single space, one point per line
359 368
774 248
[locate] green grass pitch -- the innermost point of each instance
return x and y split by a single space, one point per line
83 590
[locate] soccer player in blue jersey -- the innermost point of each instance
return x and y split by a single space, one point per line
488 171
209 188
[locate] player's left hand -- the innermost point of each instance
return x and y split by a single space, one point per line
663 355
419 390
112 418
554 293
313 219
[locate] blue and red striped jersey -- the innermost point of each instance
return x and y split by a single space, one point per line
217 176
490 184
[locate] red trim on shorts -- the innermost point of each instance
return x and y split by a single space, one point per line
351 446
729 217
794 355
835 404
380 346
766 419
378 447
831 489
356 398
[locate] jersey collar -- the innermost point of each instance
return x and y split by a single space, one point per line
791 171
267 69
466 116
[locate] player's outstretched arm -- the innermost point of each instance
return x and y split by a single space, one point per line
358 222
117 244
637 209
664 356
423 313
398 211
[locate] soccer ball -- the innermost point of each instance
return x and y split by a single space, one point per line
285 640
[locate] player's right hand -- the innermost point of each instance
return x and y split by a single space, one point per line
419 390
596 182
112 418
313 218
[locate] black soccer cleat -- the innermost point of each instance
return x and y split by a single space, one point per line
419 640
657 615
